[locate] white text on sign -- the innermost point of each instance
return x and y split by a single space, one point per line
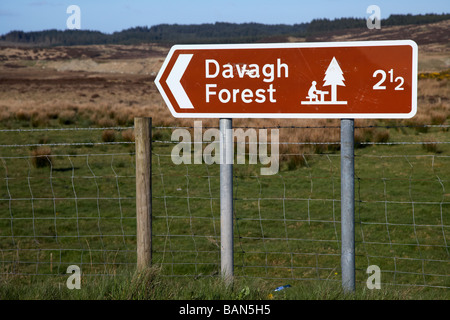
228 71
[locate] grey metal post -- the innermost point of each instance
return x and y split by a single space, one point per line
347 205
226 200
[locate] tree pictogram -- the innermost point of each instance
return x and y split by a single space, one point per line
334 77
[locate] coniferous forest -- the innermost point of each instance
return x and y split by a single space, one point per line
219 32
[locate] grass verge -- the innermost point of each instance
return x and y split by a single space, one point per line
150 284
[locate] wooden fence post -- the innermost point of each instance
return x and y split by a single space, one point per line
143 135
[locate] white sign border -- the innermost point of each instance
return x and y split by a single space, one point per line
296 45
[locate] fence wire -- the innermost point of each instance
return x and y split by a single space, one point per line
65 200
74 203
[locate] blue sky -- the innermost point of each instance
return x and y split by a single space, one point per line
115 15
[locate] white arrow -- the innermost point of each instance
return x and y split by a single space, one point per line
174 78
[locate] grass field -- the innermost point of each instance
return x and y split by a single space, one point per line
74 203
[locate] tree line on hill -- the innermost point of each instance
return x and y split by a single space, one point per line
219 32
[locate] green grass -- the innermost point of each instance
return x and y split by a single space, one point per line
151 285
81 210
147 285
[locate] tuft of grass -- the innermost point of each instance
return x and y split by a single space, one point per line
128 135
24 115
363 135
108 136
293 161
438 117
123 118
67 117
381 136
39 120
106 122
41 157
430 145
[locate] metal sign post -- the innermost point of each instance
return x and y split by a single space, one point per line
347 205
226 200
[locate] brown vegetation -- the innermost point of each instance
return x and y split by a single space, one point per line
107 86
41 157
108 136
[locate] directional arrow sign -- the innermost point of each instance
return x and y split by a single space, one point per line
367 79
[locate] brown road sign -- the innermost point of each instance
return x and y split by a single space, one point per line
367 79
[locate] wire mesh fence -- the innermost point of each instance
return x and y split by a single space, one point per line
68 197
65 200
